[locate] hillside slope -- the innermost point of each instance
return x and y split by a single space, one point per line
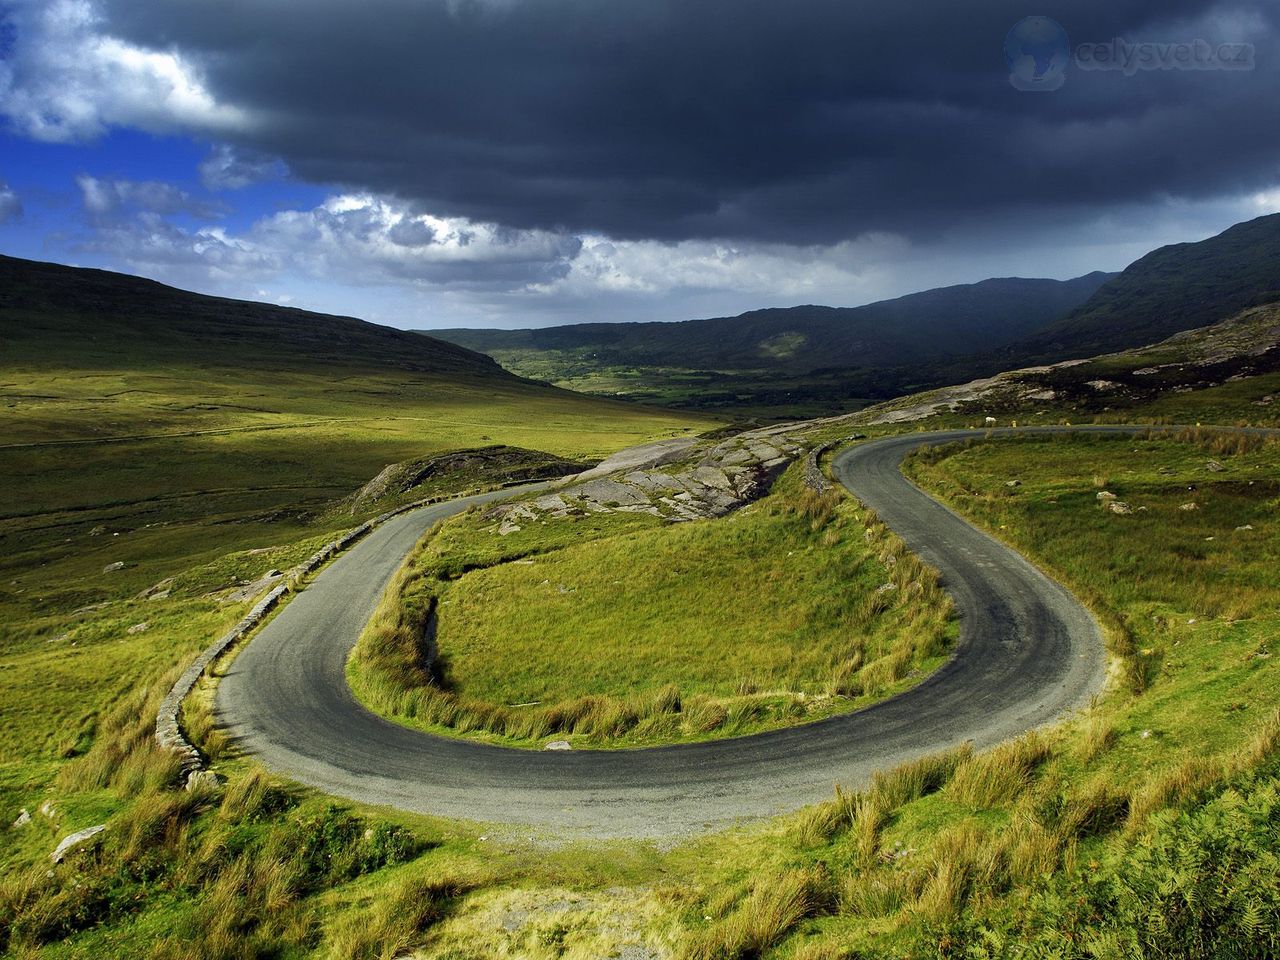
921 326
1174 288
1228 372
145 426
56 315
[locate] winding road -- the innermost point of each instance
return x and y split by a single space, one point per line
1027 654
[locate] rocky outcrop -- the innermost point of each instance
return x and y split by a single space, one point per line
496 464
704 482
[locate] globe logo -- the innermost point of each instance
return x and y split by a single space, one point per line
1037 51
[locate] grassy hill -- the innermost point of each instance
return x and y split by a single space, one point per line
1227 373
797 360
1174 288
150 411
58 316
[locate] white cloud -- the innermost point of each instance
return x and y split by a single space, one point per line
1266 202
10 204
364 240
359 240
66 80
844 271
368 239
375 257
113 197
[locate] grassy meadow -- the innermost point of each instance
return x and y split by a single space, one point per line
94 526
625 630
1146 827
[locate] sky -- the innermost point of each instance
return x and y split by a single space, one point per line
511 163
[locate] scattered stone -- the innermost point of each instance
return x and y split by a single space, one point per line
248 590
1145 734
1190 506
1215 467
1247 526
887 587
1119 506
1013 483
113 567
48 809
203 780
97 531
139 628
558 745
157 591
74 840
24 818
990 421
507 527
1106 495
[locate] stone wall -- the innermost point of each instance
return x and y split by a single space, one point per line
169 733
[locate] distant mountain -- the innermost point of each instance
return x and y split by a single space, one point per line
53 314
1174 288
920 327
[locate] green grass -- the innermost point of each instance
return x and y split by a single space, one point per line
233 466
728 391
622 630
1148 825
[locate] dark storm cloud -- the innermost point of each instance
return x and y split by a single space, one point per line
803 121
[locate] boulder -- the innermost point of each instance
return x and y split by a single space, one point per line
113 567
1119 506
71 841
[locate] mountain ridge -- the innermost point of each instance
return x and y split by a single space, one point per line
812 337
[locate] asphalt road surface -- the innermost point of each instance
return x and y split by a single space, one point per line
1027 654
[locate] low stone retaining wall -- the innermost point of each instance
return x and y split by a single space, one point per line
168 720
814 478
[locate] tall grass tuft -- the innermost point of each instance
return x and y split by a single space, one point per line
775 906
396 920
1171 787
999 776
917 778
1264 745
